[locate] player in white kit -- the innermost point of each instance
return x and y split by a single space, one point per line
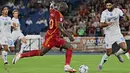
5 33
110 22
17 34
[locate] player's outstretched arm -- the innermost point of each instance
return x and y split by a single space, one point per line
14 26
64 32
104 24
127 16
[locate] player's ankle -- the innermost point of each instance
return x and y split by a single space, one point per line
67 65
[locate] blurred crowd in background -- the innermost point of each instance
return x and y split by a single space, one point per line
82 18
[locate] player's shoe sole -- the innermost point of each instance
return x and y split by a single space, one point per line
99 67
71 71
6 63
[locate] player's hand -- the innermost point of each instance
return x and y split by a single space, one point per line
14 25
71 39
124 11
129 32
110 23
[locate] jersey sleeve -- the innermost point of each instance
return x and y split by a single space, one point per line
1 25
120 12
103 18
59 17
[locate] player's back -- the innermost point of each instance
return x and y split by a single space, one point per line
55 17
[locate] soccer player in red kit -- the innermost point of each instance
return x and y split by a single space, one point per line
52 37
128 53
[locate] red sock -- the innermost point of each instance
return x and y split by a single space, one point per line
31 53
129 51
68 56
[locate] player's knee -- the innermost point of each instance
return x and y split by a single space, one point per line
125 48
24 40
6 48
109 52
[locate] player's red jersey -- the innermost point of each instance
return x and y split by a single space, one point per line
55 17
52 37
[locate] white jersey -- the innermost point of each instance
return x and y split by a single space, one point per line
5 26
16 21
113 17
16 34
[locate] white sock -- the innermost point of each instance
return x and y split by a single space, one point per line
119 52
4 56
23 46
127 55
104 59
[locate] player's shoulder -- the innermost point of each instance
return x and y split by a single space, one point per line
14 18
0 17
104 12
55 11
59 13
8 17
118 9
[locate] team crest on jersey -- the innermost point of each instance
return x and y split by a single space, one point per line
111 14
6 23
61 19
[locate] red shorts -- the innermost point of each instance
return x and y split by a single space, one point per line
53 41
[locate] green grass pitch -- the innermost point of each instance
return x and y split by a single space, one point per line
55 64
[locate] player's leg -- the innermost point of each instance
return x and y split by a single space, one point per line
109 43
123 46
104 58
19 35
45 48
68 55
23 45
5 53
32 53
4 43
127 55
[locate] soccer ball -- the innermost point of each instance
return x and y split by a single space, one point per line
83 69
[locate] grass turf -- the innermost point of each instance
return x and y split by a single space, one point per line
55 64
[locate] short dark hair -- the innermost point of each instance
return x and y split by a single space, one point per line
109 1
4 7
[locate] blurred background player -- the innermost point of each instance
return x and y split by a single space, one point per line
17 34
52 37
110 22
5 33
